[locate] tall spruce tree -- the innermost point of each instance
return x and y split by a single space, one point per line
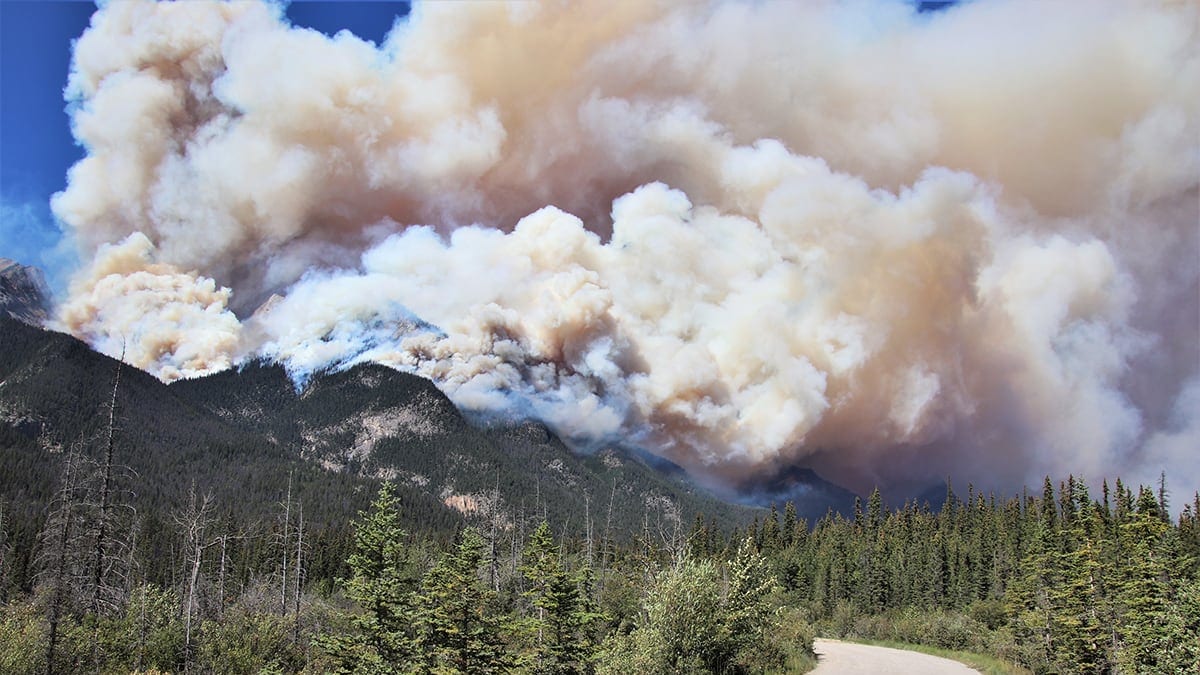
382 583
1143 591
458 629
561 628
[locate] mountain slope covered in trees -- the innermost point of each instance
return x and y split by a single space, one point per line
249 438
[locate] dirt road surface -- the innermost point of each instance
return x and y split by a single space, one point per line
846 658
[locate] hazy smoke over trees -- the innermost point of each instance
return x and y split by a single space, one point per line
886 245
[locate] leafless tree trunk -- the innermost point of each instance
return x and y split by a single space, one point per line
59 537
587 526
612 497
102 523
518 537
195 522
287 527
4 555
100 552
298 574
604 540
221 576
494 516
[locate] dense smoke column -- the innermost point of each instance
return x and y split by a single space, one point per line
893 247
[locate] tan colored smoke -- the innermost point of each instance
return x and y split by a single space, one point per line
889 246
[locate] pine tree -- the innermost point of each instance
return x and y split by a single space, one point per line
1077 597
561 629
1178 647
788 533
1029 598
874 510
458 630
1143 591
1189 537
769 534
382 584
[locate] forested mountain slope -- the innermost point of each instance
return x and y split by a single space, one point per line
244 436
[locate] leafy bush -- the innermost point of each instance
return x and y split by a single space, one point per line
22 639
696 619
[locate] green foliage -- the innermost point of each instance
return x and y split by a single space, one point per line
458 630
240 434
150 633
693 621
1177 648
382 585
560 632
1060 583
682 628
22 639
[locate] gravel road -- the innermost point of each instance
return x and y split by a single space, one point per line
846 658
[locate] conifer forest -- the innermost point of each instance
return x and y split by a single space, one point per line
1057 581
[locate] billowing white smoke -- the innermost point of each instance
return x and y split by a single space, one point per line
746 235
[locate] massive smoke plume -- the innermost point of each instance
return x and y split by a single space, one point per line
889 246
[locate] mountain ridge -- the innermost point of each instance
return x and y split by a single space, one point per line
24 294
249 436
338 419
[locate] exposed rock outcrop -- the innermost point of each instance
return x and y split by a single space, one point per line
24 294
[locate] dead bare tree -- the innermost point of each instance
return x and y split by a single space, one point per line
105 506
194 522
285 536
298 573
5 548
587 526
494 518
108 583
59 558
604 540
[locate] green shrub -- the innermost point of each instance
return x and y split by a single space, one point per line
22 639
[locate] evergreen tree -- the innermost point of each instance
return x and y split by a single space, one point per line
1178 647
770 530
874 510
561 629
382 584
1143 590
1029 601
787 533
458 630
1077 597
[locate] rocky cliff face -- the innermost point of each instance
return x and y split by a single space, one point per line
24 294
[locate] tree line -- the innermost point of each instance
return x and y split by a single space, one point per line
412 604
1058 581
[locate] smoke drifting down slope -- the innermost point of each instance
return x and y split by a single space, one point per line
887 246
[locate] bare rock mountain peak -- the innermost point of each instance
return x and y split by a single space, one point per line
24 294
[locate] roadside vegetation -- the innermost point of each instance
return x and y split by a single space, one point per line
1051 583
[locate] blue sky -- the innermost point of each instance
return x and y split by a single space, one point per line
36 147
